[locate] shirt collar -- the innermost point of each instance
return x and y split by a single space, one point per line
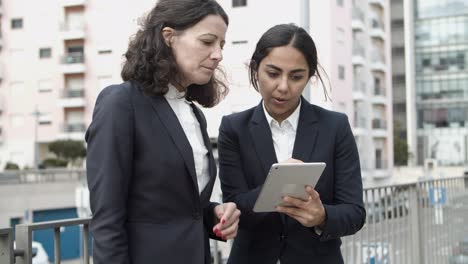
293 119
174 94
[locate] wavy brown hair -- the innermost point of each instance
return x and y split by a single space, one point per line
151 63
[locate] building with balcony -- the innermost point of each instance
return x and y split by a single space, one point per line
60 55
77 57
372 89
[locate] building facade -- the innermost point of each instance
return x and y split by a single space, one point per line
61 53
434 79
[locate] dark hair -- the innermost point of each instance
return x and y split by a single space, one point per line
151 62
283 35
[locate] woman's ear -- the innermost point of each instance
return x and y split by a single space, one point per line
167 34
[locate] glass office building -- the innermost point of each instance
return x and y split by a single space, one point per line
441 80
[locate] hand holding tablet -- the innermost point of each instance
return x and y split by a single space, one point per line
287 179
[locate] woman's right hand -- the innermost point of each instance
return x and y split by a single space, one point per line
228 217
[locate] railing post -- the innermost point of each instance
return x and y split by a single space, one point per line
6 246
57 245
23 236
416 245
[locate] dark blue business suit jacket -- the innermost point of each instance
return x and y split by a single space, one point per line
141 175
246 153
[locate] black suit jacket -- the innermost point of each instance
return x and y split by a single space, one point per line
142 181
246 153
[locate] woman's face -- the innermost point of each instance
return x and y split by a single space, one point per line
282 76
198 49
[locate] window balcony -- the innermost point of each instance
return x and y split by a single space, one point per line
377 29
72 98
378 123
358 54
379 128
71 32
74 127
379 95
360 122
73 131
73 63
358 19
378 62
359 90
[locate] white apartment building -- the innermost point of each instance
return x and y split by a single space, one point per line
57 55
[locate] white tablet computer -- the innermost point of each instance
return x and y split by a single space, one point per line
287 179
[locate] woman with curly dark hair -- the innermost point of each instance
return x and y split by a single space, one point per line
150 165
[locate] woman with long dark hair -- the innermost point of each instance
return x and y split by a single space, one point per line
284 127
150 165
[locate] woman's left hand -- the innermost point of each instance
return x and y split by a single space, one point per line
309 213
228 217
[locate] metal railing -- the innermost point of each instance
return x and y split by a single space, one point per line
379 90
378 123
73 57
359 85
73 93
6 246
23 251
41 176
76 127
421 222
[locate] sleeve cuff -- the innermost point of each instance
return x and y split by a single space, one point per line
318 230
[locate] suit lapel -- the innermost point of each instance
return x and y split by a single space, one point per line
175 130
306 132
262 139
206 140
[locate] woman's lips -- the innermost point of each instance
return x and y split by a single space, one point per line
280 101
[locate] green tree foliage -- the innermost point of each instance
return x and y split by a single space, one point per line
68 150
11 166
400 147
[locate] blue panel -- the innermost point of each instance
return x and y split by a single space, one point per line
69 237
438 196
13 222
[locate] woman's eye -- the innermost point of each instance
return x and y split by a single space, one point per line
296 77
207 42
272 74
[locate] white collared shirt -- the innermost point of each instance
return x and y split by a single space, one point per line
284 134
191 127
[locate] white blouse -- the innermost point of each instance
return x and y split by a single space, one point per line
284 134
191 127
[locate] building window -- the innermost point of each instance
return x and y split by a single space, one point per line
17 23
45 119
340 35
237 42
45 53
237 3
341 72
339 2
105 51
44 86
